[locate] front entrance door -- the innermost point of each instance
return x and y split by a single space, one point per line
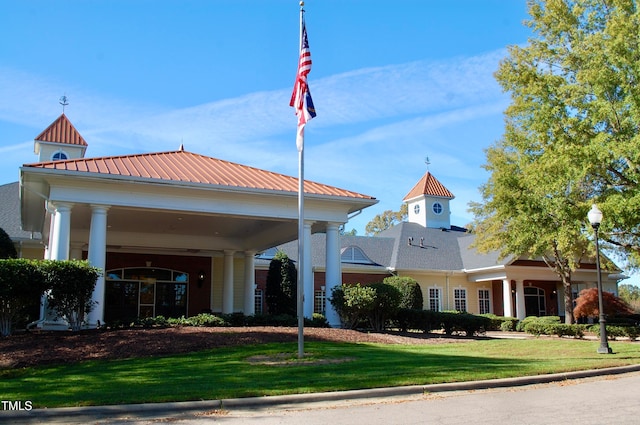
534 301
145 292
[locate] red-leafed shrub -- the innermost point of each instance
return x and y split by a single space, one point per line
587 304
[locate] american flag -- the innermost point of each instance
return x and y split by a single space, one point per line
301 97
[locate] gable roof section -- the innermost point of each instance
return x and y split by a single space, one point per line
61 131
10 212
429 185
186 167
439 249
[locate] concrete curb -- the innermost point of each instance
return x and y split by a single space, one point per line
159 409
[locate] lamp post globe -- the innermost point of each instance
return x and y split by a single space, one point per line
595 218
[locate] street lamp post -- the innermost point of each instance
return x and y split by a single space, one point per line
595 218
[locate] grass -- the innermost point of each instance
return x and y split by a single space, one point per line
232 372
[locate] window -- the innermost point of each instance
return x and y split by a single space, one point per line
320 301
145 292
437 208
484 301
258 301
59 156
416 209
534 301
434 299
460 299
354 255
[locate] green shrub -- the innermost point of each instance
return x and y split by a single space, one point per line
71 286
316 321
543 325
233 319
535 324
385 306
178 321
463 323
207 320
509 324
410 292
22 282
500 323
633 332
352 303
615 331
408 319
562 329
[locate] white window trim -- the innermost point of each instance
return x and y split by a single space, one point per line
464 298
480 300
433 208
439 298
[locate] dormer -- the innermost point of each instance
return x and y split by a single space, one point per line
428 203
59 141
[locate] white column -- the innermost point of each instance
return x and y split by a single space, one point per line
97 257
76 251
61 231
506 298
52 224
308 272
333 274
249 283
521 311
227 284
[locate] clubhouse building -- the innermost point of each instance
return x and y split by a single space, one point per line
179 233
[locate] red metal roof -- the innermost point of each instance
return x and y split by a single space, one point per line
429 185
182 166
62 131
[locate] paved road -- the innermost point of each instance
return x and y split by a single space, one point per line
599 400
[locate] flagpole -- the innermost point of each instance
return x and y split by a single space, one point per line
301 223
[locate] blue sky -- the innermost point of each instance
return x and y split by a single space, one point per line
393 83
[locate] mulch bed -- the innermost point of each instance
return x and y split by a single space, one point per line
56 347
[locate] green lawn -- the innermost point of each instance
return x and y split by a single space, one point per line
230 372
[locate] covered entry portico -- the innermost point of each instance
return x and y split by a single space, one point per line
522 296
177 210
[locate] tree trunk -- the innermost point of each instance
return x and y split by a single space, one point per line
5 324
568 302
75 321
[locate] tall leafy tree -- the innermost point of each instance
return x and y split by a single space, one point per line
282 285
21 284
72 283
571 137
386 220
7 249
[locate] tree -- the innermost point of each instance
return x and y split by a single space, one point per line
587 304
282 285
352 303
630 294
7 249
386 220
71 286
410 292
352 232
21 285
570 136
385 306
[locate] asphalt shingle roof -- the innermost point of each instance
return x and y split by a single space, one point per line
10 212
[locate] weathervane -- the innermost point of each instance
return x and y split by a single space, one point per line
427 162
64 102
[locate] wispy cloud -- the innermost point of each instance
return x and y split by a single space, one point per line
373 129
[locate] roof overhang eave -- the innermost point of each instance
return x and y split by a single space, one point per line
360 203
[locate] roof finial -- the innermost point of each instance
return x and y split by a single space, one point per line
427 162
64 101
